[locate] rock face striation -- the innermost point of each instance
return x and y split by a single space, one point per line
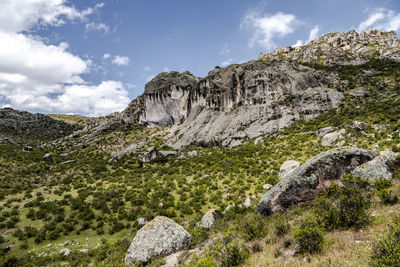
312 178
160 237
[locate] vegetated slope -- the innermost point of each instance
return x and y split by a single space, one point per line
22 126
94 204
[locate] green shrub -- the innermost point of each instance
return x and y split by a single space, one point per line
253 226
345 207
309 236
282 227
231 253
386 250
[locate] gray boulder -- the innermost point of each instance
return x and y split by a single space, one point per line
329 139
287 167
359 125
323 131
247 203
148 155
380 167
167 153
160 237
210 218
312 178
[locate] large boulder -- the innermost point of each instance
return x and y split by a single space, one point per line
210 218
287 167
381 167
160 237
312 178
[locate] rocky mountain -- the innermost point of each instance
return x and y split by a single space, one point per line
243 101
342 48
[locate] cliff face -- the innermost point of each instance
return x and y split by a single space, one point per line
243 101
232 104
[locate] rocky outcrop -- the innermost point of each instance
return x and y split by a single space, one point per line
210 218
160 237
241 102
152 153
381 167
287 167
312 178
342 48
164 102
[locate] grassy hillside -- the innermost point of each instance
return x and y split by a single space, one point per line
93 203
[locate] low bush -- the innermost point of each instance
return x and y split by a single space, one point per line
309 236
386 250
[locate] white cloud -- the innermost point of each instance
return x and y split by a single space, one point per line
298 43
381 19
265 28
97 27
147 68
226 62
314 33
20 15
224 50
47 78
166 69
121 61
106 55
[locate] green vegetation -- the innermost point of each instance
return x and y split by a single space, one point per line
45 203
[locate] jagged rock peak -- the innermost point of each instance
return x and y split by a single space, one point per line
170 80
343 48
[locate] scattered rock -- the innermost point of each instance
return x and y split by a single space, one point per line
358 92
259 140
141 222
287 167
210 218
84 250
65 251
161 205
247 203
291 252
329 139
27 149
166 154
267 187
47 157
148 155
359 125
68 162
63 244
182 157
193 153
160 237
323 131
312 178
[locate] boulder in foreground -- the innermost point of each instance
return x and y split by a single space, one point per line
312 178
160 237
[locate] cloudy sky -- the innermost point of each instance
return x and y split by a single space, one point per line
91 57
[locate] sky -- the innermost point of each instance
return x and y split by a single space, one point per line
92 57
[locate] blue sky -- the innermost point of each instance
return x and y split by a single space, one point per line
93 57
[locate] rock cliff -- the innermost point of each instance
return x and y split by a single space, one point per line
242 101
